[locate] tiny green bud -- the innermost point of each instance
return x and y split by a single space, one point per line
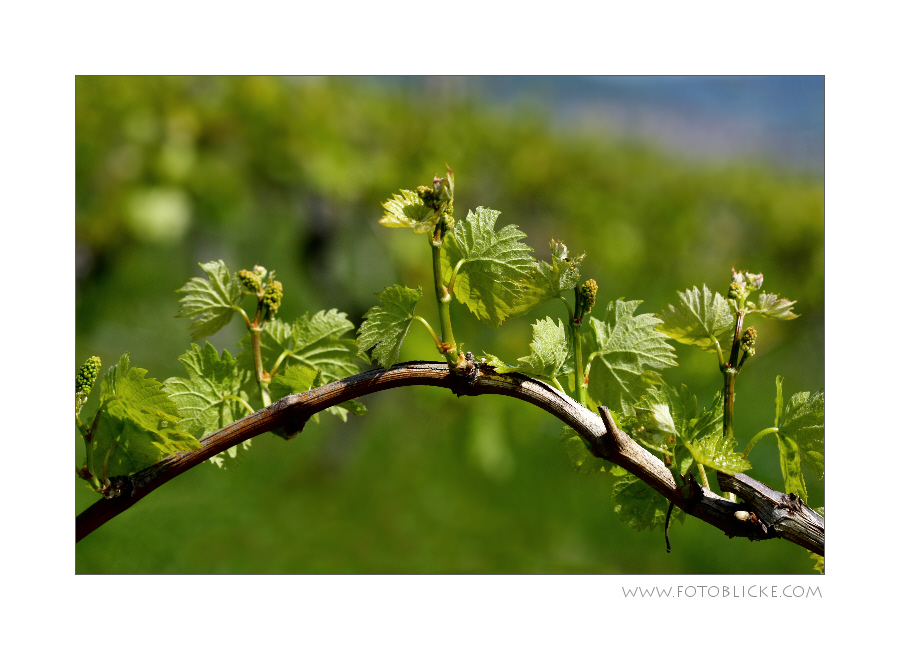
250 280
272 298
735 290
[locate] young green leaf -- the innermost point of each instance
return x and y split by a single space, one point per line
717 452
771 306
804 421
640 506
703 319
708 423
299 379
819 562
656 412
317 344
803 424
580 456
137 423
621 348
386 327
206 399
312 342
130 395
210 303
548 281
549 350
499 366
294 379
407 210
491 266
789 455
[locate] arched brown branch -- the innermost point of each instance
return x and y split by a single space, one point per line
773 514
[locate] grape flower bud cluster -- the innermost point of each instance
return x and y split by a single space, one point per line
84 381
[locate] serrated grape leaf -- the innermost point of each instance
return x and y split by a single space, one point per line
203 398
494 265
804 423
138 423
355 407
299 379
407 210
661 414
210 303
317 344
703 318
621 348
386 326
580 456
500 367
133 396
770 305
789 455
294 379
549 350
717 452
313 342
548 281
640 506
820 562
709 421
707 424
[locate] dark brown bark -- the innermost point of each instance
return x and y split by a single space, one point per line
765 515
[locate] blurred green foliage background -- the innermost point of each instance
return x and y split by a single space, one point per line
290 174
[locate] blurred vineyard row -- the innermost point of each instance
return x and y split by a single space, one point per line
290 174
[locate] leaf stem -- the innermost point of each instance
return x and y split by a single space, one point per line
262 377
730 371
703 478
244 314
437 340
575 329
240 401
456 269
759 436
448 343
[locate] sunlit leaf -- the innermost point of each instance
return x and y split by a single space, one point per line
138 425
548 280
204 398
210 303
804 423
620 348
702 318
640 506
771 306
717 452
295 379
406 210
549 350
492 265
386 326
580 456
